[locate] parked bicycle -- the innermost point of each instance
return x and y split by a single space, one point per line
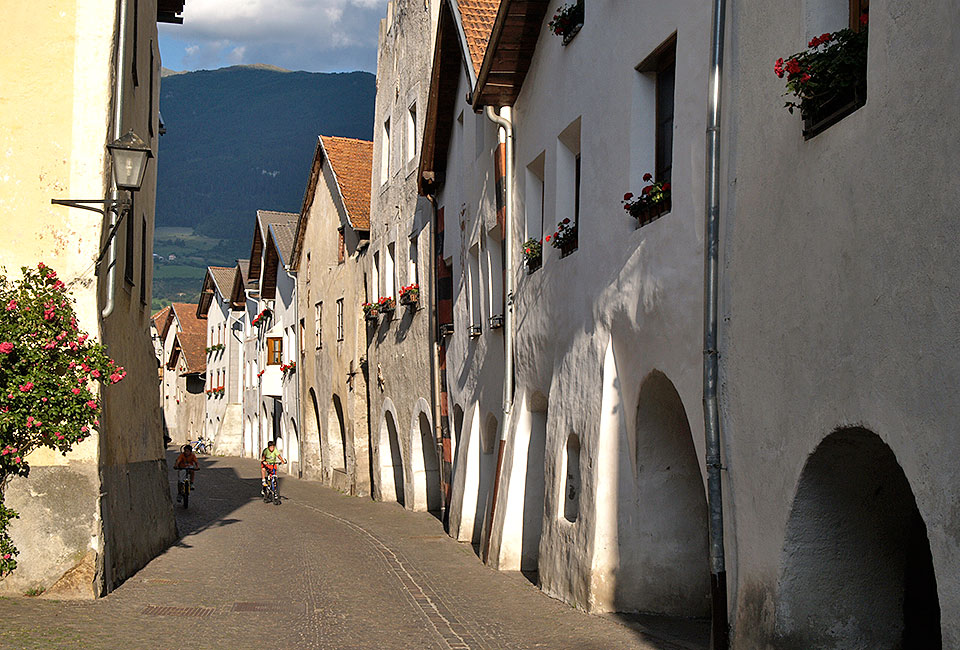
271 491
202 445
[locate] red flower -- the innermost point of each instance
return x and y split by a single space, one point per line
666 186
863 19
75 391
793 67
825 38
565 221
6 347
628 196
548 237
815 41
92 404
647 189
805 78
647 176
26 387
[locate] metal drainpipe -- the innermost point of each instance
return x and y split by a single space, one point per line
505 120
433 311
711 412
117 132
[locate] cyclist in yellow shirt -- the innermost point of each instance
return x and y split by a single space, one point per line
269 460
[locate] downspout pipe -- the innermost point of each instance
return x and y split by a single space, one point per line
505 121
119 89
711 412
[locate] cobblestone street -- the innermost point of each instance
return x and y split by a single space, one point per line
322 570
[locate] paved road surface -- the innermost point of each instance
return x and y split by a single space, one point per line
322 570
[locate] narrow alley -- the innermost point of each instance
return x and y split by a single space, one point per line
322 570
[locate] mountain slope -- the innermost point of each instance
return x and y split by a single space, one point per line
240 139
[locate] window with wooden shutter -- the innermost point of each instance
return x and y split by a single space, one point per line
274 351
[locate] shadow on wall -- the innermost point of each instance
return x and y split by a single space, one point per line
391 462
857 571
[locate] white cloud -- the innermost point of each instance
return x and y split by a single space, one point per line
295 34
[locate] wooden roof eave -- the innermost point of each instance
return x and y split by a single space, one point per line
444 81
308 198
506 62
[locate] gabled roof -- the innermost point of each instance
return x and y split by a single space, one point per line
351 165
265 218
160 320
191 338
219 279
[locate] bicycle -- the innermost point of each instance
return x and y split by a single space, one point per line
184 485
200 446
271 491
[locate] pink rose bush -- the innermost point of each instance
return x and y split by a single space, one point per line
50 373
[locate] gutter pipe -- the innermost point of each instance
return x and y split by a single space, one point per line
505 121
711 412
119 85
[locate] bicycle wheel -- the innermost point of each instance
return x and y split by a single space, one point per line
186 494
276 492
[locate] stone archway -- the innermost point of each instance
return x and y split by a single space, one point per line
857 571
391 461
312 436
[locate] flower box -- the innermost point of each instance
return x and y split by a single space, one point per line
565 239
371 311
532 254
828 80
652 211
654 201
387 305
410 295
831 112
567 21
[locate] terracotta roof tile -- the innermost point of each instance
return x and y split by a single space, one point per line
160 317
192 336
478 17
352 164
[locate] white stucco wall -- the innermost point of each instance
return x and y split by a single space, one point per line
840 310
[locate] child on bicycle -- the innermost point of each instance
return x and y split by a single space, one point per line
188 459
269 460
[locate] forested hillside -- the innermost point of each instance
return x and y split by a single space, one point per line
240 139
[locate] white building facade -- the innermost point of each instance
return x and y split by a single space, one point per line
598 446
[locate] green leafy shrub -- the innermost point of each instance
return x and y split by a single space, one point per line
49 370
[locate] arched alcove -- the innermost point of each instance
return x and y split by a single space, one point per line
457 436
426 466
336 435
293 447
312 433
856 569
391 461
247 435
571 479
662 537
534 486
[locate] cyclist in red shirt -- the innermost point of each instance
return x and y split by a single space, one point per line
188 459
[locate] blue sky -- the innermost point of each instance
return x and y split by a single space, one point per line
314 35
